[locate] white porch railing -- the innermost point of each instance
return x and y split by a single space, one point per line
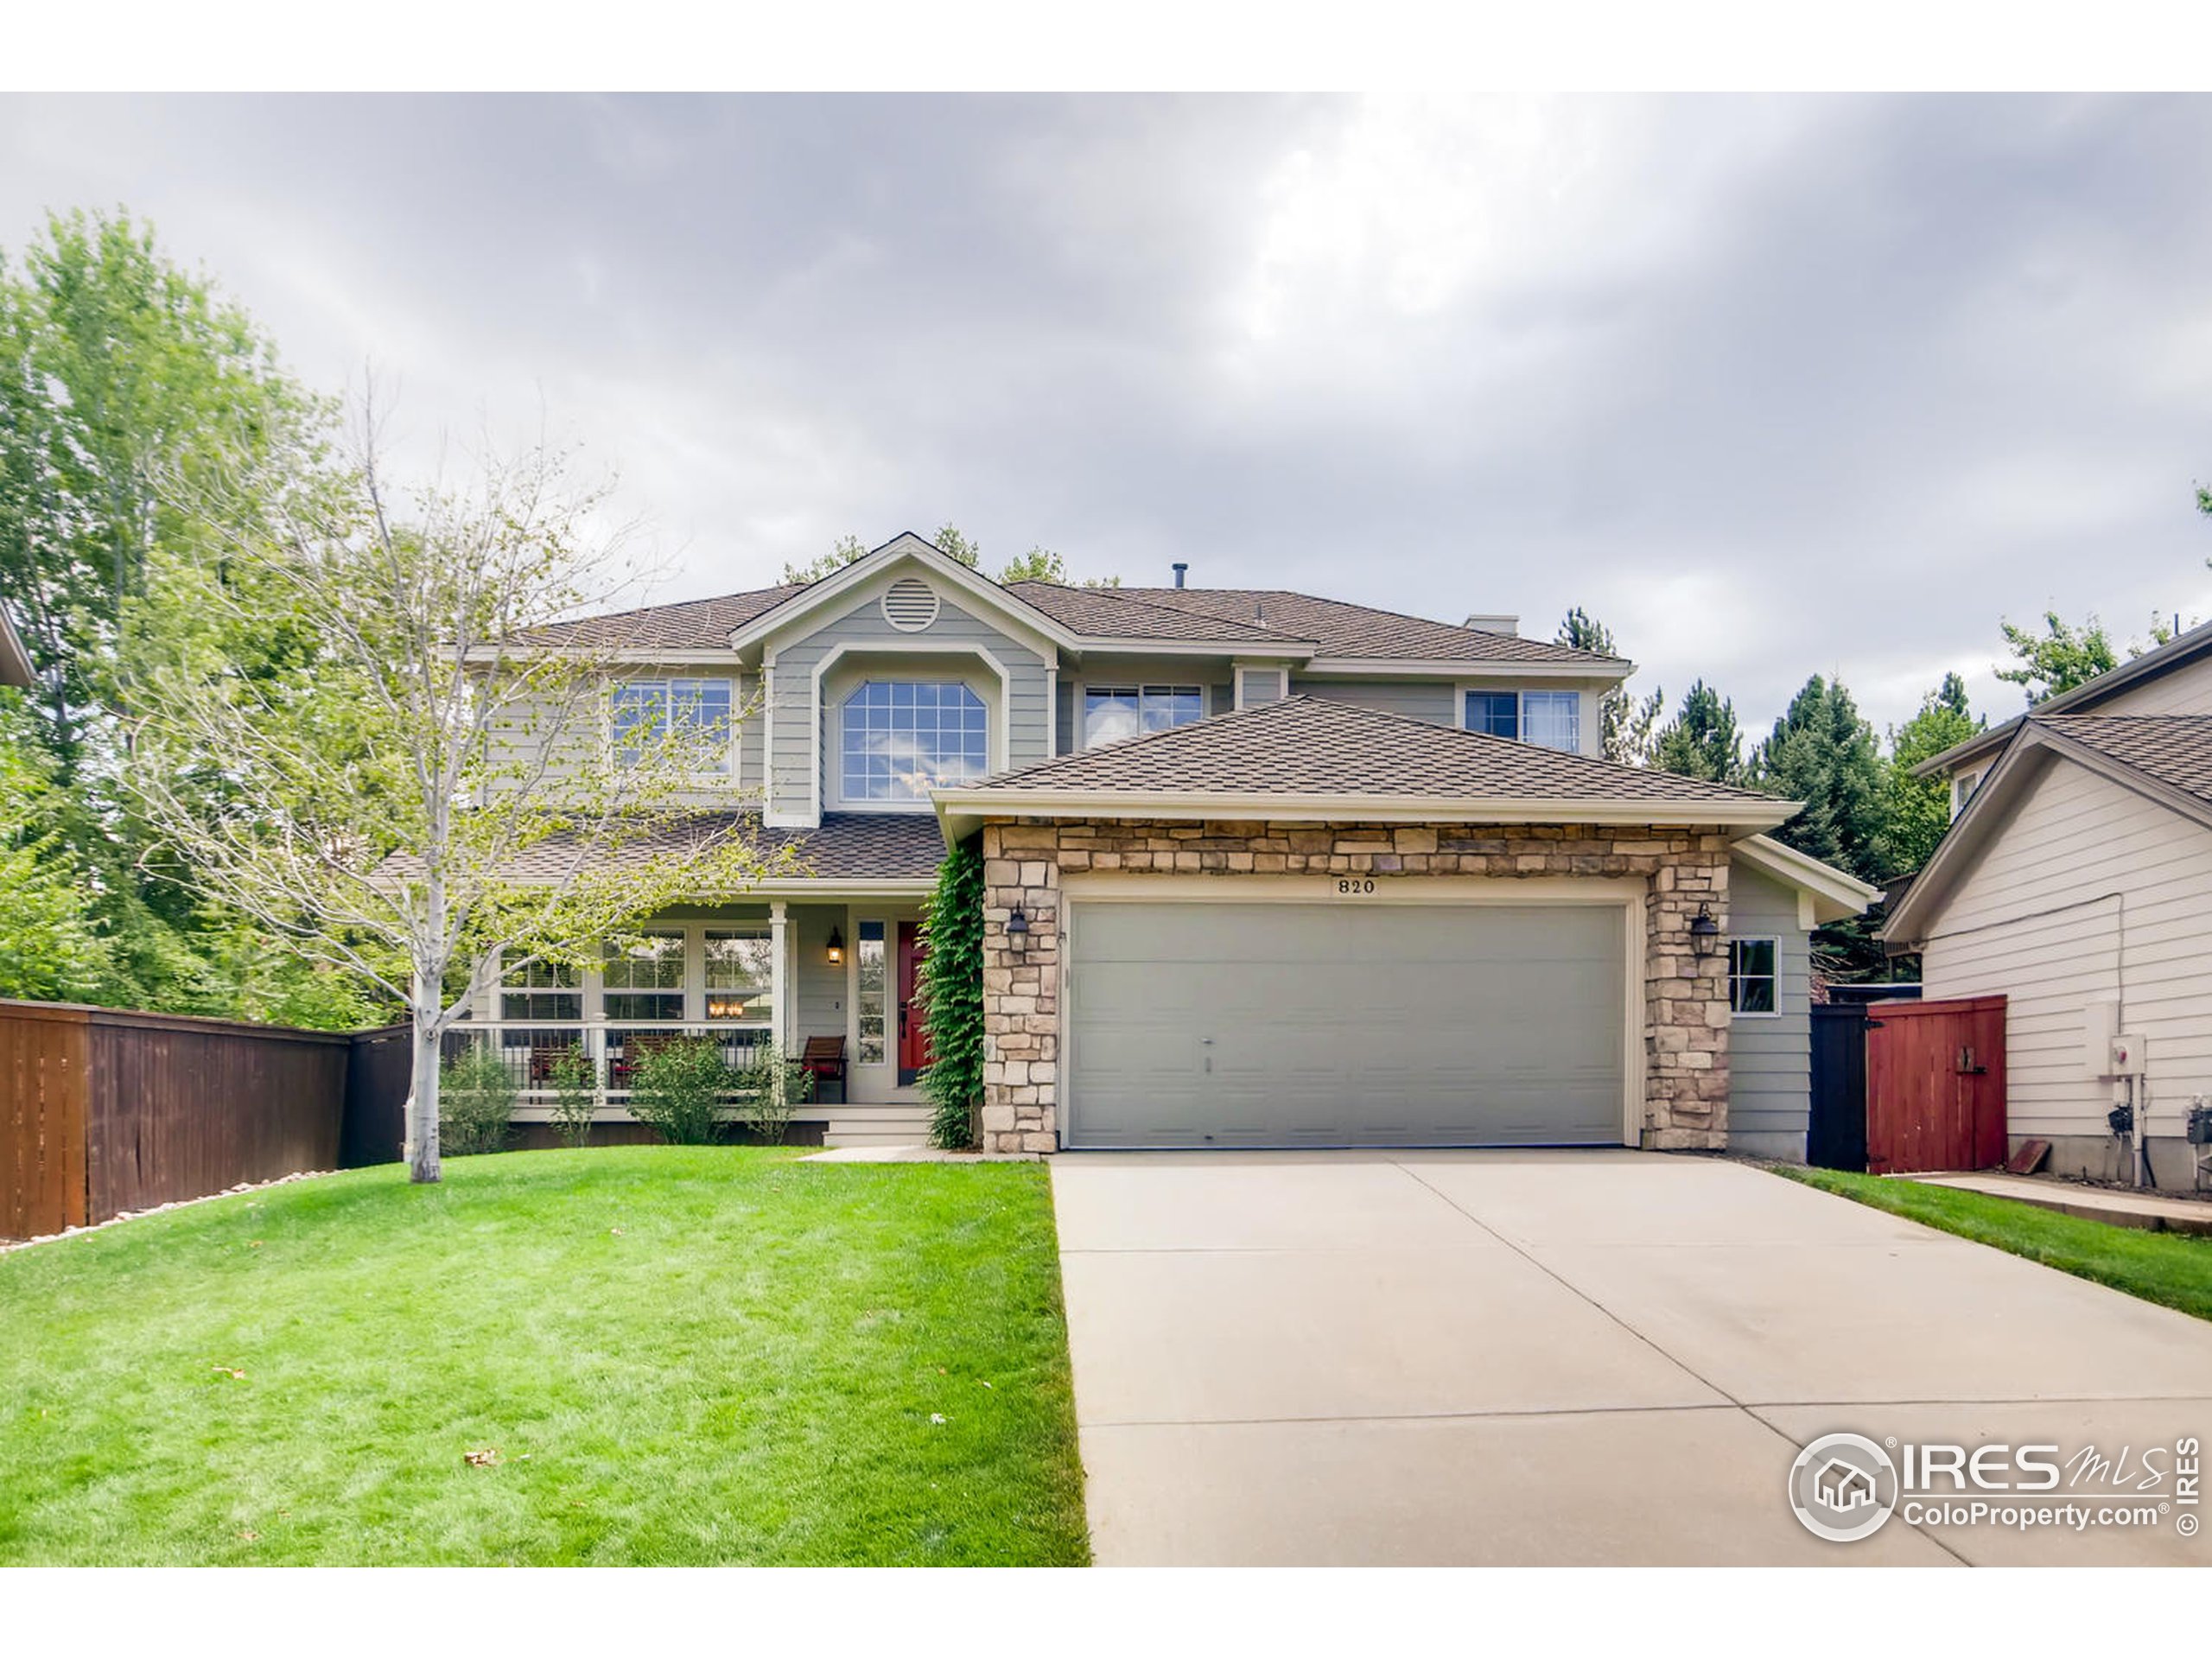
529 1048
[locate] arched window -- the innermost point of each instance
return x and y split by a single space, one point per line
901 737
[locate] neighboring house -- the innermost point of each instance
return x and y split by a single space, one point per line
15 662
2076 881
1264 869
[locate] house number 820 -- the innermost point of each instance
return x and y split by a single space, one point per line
1355 884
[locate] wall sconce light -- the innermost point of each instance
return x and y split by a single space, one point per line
1017 928
836 948
1704 932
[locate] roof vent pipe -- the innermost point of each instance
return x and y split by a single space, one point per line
1179 567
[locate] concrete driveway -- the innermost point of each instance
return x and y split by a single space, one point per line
1604 1357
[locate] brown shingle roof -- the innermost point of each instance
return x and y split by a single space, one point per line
695 625
2175 750
1341 629
846 847
1306 745
1216 616
1117 613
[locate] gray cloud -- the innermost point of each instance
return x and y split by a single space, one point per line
1772 386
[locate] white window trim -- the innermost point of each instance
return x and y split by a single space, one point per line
996 717
1774 1013
730 778
1084 688
1461 689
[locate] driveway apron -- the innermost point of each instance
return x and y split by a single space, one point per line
1585 1357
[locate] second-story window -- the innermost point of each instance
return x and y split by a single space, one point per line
1111 713
899 739
698 711
1551 720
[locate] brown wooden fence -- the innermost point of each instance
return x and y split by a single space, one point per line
104 1110
1935 1085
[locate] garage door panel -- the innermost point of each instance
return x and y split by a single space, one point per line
1227 1025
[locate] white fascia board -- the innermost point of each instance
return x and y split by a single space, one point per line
1460 668
1834 893
1012 607
961 811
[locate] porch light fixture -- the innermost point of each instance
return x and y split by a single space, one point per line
1017 928
1704 932
836 948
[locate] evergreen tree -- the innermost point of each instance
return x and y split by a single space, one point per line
1702 741
1625 723
1822 753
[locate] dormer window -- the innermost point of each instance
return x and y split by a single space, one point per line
902 738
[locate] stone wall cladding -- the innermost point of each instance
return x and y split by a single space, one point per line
1685 996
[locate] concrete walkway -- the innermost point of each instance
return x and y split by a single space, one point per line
2149 1210
1603 1357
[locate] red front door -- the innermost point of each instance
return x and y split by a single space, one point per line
913 1032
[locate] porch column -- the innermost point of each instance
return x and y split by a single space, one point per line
779 1024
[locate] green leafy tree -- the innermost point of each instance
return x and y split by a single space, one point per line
1037 564
121 374
951 995
50 945
1042 565
2059 658
371 801
1916 812
1628 725
1703 740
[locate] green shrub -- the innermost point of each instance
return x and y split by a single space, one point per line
677 1087
951 995
576 1095
476 1101
770 1090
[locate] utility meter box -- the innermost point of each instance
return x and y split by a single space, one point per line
2100 1025
2126 1056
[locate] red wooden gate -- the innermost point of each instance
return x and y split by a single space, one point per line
1935 1085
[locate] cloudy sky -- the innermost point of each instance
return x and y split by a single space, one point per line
1771 386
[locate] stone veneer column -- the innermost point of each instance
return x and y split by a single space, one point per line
1021 988
1685 1051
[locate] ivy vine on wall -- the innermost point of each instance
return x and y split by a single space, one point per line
951 995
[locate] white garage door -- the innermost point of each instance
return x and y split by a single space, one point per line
1288 1025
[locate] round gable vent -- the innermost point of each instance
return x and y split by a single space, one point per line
910 605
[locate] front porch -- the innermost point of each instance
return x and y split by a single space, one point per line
786 970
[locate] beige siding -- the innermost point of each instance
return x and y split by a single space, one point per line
2088 892
1769 1058
2184 691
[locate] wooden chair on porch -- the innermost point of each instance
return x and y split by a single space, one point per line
824 1059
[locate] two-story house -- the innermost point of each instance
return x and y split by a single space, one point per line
1264 869
2076 880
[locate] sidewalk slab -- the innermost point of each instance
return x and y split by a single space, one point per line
2147 1210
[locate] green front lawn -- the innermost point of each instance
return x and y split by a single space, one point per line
677 1355
2173 1268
